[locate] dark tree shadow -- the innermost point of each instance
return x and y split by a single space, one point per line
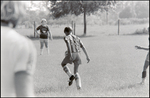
127 86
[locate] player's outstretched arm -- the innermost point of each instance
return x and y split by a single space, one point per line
139 47
85 52
36 31
51 37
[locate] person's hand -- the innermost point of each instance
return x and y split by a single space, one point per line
50 38
88 60
137 47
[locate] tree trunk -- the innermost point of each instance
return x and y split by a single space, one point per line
84 20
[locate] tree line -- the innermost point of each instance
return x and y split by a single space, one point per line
60 8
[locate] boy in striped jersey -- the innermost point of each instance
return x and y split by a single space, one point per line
73 56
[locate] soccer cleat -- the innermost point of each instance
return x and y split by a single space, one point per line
71 80
78 88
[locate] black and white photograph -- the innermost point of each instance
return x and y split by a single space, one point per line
74 48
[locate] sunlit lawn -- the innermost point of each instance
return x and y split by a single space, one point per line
115 68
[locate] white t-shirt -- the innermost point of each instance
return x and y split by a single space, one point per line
17 54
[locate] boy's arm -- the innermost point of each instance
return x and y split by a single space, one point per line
38 28
138 47
84 50
49 32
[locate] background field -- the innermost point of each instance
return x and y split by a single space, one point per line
115 68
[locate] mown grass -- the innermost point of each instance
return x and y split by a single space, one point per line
114 70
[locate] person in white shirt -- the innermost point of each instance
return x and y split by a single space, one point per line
18 54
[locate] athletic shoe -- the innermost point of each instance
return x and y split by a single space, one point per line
78 88
71 80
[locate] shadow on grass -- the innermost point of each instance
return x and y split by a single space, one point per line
127 86
43 90
47 89
60 37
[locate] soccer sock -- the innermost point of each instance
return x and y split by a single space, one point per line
67 70
78 81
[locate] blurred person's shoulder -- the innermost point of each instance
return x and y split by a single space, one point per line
9 35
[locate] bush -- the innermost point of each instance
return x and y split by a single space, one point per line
142 31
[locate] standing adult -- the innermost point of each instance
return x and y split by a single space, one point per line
44 35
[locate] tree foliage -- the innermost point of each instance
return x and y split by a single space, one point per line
126 13
62 8
142 9
135 9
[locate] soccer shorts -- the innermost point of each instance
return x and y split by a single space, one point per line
75 59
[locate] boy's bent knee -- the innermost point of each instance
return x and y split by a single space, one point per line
63 64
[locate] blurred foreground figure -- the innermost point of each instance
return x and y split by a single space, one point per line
18 54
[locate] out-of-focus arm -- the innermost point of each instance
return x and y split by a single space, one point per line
24 70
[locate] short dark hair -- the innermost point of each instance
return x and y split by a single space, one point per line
67 30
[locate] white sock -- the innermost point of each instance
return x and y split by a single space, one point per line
67 70
78 81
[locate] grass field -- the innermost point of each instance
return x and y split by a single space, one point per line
115 68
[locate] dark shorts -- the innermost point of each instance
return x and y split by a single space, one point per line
76 59
43 36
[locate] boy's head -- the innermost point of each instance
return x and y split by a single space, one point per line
12 12
44 21
67 30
